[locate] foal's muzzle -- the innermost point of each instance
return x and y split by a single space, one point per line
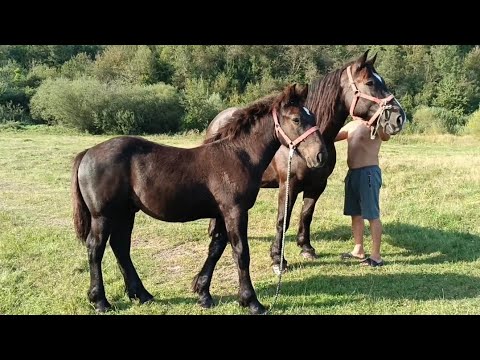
322 158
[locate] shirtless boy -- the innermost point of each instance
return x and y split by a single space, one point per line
362 187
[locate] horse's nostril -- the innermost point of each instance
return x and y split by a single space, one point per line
399 120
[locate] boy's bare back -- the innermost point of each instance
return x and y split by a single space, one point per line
362 150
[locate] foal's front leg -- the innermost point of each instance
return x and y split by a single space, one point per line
236 222
201 282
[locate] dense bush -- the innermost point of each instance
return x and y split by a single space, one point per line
77 67
436 120
200 106
130 63
96 107
10 112
473 124
12 85
255 91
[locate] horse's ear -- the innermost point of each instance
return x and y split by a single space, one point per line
371 61
360 63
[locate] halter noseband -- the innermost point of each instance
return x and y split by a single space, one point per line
291 144
382 103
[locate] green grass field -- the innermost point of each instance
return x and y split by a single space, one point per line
431 245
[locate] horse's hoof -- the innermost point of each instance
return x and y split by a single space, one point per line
309 254
257 309
276 269
206 303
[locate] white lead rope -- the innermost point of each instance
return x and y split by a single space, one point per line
287 190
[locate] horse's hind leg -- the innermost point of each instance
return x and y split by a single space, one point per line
276 248
96 242
310 198
201 282
120 242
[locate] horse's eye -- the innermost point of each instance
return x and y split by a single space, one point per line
369 83
296 120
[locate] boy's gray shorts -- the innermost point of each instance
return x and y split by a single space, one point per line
362 191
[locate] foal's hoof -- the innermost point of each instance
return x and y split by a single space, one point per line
309 254
276 269
145 298
206 302
102 306
257 309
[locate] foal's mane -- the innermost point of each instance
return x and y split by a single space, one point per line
323 94
245 118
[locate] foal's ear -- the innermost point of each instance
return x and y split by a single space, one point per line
371 61
289 94
360 63
303 92
290 91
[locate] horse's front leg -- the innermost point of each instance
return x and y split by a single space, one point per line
236 222
201 282
276 248
310 197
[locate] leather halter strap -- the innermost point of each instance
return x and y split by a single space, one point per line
291 144
382 103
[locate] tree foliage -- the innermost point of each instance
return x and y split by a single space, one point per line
208 78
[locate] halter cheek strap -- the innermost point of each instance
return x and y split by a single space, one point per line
382 103
291 144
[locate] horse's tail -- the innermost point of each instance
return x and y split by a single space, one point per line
81 214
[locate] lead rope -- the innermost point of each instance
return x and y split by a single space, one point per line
289 168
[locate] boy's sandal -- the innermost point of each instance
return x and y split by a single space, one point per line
347 256
370 262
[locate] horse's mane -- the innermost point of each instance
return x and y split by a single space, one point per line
322 96
244 118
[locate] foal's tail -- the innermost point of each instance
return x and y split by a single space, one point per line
81 214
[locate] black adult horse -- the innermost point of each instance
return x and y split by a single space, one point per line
115 179
354 89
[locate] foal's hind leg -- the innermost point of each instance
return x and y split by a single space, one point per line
276 248
310 197
201 282
120 242
96 242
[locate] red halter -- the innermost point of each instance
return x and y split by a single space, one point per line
382 103
291 144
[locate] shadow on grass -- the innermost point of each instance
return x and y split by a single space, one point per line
443 245
385 286
339 233
341 288
453 246
121 303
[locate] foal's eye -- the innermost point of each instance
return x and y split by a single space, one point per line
369 83
296 120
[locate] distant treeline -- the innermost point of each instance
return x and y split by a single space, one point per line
163 89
